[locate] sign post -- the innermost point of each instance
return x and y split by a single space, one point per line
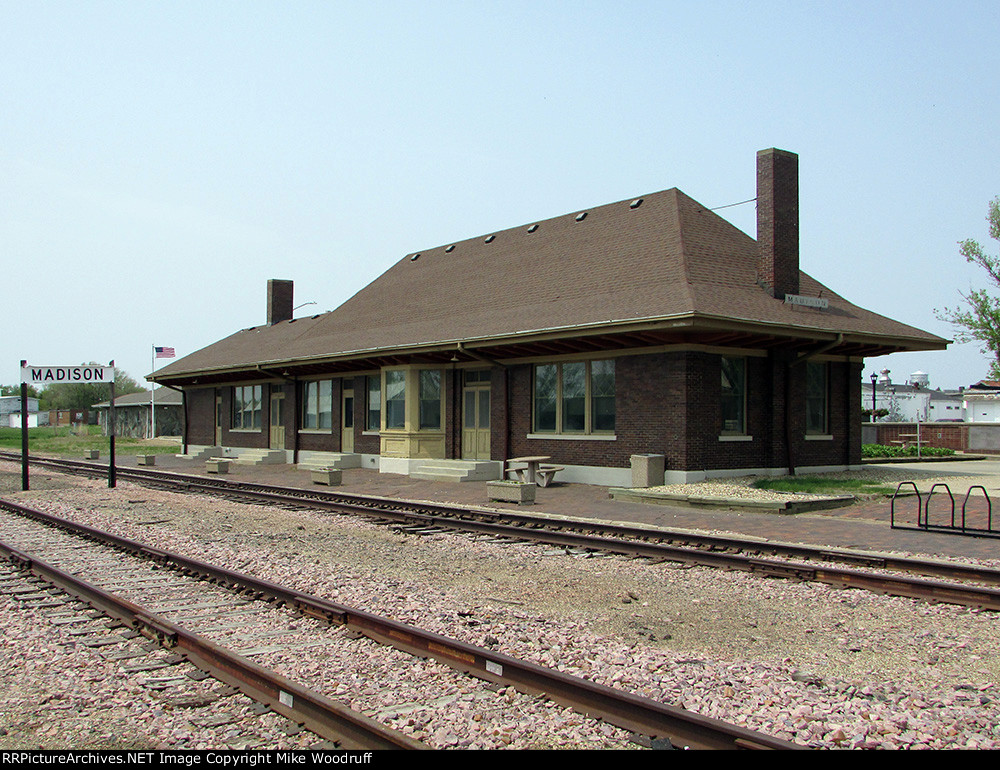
24 431
112 468
56 375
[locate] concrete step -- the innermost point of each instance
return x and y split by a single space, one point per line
458 470
204 454
261 457
339 460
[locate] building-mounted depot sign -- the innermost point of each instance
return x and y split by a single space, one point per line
797 299
53 375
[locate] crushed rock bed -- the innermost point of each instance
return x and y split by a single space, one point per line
804 662
741 488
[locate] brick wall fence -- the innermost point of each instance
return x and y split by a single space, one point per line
983 438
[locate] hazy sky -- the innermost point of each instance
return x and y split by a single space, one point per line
159 161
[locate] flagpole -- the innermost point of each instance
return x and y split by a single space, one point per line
152 397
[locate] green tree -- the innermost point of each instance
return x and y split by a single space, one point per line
83 395
978 320
15 390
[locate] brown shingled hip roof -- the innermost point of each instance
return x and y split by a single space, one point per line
662 264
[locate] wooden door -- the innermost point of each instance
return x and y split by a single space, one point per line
476 422
277 421
347 422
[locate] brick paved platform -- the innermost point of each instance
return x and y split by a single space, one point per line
864 526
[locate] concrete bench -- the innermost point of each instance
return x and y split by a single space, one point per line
217 465
92 454
546 473
146 459
515 471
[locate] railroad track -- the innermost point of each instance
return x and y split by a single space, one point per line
921 579
200 611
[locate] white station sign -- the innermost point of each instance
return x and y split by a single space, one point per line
53 375
821 303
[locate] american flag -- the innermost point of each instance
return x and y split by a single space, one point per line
164 352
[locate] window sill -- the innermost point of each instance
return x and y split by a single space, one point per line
245 430
735 437
370 433
317 431
818 437
575 436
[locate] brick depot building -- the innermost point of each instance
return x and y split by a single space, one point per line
647 326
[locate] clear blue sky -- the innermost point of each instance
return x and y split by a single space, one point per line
159 161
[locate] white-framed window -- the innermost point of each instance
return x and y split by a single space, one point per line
395 398
574 397
247 407
317 405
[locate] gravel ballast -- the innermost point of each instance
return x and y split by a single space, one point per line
804 662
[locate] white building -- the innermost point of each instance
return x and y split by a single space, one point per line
912 401
10 412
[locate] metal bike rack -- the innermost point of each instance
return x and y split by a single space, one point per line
958 523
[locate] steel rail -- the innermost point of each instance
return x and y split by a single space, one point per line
920 588
321 715
631 712
396 509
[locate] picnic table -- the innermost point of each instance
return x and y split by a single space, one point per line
909 439
533 471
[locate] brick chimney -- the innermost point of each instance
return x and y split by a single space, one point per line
778 221
279 301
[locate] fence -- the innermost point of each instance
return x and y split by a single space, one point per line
979 438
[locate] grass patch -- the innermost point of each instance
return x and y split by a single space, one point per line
817 485
73 441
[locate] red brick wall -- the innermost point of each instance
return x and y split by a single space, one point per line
670 404
201 416
666 403
936 434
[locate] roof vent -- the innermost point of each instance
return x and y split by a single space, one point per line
450 249
581 216
635 204
490 238
532 228
414 258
